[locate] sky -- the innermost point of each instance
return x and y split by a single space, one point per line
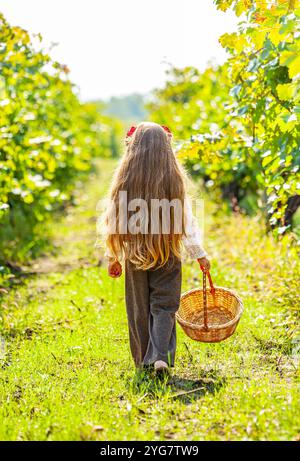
116 47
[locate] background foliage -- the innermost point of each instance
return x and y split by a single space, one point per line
243 118
130 108
48 139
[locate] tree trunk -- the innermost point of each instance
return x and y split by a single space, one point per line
231 192
292 206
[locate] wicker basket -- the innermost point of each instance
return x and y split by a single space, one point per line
211 315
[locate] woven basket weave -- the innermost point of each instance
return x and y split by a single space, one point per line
209 315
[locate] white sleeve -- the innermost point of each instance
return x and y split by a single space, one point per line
108 254
192 240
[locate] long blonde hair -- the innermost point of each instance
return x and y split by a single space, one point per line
148 170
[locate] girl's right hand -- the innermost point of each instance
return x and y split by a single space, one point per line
114 269
204 264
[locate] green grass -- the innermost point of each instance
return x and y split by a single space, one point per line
66 371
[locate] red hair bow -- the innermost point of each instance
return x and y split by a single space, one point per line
131 131
167 129
133 128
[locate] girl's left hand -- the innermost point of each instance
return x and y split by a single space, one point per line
114 269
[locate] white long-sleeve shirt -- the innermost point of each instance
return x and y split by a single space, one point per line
192 240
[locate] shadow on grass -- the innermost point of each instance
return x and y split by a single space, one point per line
180 388
188 390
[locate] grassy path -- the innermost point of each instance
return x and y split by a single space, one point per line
66 372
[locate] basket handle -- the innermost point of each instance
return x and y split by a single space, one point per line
212 290
206 272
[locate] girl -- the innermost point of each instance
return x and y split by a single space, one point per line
147 172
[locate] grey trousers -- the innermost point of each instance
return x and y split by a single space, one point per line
152 299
